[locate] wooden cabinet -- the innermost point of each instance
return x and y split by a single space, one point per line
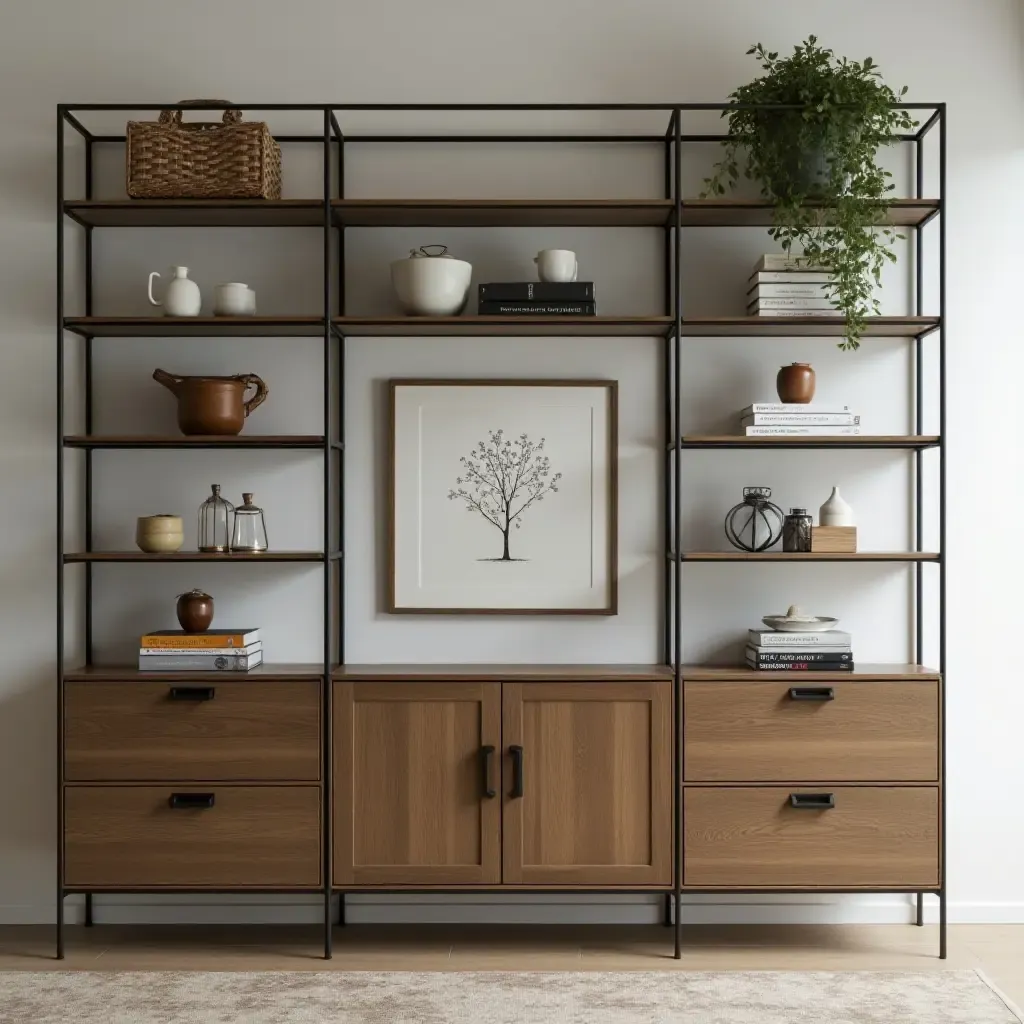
416 776
487 783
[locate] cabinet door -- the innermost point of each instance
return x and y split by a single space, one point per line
412 779
587 784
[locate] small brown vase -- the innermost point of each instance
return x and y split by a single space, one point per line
195 611
795 383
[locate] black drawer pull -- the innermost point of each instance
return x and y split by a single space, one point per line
812 801
821 693
517 771
486 757
197 693
190 801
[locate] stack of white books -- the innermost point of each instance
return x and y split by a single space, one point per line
783 285
782 419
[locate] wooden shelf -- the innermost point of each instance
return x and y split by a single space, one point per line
809 556
497 673
910 442
806 326
503 326
131 674
129 442
194 556
713 673
751 213
486 213
196 326
179 213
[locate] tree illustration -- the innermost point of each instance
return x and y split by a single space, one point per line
501 478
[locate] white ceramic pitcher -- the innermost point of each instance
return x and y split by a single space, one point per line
181 296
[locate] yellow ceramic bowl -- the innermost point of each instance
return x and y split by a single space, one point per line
159 534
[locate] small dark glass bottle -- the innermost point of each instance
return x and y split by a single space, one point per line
796 530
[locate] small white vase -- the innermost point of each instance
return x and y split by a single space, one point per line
836 511
181 296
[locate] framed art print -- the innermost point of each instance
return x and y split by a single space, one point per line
503 496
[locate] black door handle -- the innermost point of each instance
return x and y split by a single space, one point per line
196 693
820 693
190 801
486 756
517 770
812 801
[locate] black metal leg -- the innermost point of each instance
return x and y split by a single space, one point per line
88 910
341 910
679 921
942 925
920 910
328 930
60 924
667 915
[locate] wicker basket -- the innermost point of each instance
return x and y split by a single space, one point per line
168 159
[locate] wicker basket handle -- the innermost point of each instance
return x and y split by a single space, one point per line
232 116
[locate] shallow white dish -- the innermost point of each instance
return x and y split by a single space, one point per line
784 624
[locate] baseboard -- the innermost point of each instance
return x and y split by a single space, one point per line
501 908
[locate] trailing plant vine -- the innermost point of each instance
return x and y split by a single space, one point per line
816 162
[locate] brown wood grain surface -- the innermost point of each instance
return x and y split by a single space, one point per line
755 732
597 803
248 731
253 837
751 837
409 797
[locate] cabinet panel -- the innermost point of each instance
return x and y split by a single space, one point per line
801 730
886 837
588 784
411 798
183 731
192 836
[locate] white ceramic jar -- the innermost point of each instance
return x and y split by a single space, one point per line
836 511
431 283
234 299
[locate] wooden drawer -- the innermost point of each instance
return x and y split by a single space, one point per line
874 836
252 836
186 731
784 731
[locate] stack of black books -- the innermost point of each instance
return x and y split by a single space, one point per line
537 298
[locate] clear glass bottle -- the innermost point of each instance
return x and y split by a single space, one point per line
215 522
249 532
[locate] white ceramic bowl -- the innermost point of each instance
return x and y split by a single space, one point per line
432 285
818 624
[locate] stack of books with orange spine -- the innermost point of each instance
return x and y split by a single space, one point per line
214 650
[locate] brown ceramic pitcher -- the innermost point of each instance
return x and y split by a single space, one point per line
213 405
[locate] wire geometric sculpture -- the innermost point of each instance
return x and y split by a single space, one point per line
756 523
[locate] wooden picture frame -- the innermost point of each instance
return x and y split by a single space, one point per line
558 440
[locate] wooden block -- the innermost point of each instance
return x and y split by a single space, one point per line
834 539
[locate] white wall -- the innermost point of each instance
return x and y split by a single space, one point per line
967 54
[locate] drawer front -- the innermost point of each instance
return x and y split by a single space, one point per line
799 730
186 731
132 837
873 836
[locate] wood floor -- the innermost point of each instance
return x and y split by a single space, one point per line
996 949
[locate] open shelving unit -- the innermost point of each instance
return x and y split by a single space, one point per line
332 213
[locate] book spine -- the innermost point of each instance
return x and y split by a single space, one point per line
537 291
813 419
780 262
784 657
202 652
537 309
790 277
773 638
199 641
801 431
796 312
805 666
198 663
759 407
792 303
766 292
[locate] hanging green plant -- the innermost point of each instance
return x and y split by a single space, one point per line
817 164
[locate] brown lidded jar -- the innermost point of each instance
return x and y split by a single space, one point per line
795 383
195 611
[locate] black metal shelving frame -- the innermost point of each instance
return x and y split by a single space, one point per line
334 329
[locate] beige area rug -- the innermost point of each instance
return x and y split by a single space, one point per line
649 997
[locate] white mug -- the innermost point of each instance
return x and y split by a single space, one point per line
234 299
556 265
